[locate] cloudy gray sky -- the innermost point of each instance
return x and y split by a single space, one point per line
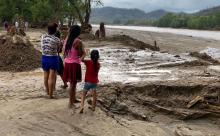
171 5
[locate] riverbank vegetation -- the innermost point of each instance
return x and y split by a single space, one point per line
40 12
189 21
206 19
173 20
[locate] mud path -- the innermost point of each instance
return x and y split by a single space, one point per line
133 82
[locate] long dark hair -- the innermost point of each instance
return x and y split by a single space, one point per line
95 57
74 32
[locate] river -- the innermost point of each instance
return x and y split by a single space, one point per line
195 33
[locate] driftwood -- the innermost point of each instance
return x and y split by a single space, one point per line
207 102
195 101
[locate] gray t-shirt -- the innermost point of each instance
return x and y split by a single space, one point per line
49 45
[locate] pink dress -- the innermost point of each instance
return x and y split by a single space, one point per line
72 69
73 56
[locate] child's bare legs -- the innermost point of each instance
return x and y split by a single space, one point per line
51 82
46 78
72 93
83 97
94 95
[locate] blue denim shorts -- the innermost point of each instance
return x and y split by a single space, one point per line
50 62
90 86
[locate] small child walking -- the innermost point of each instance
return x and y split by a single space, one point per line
91 79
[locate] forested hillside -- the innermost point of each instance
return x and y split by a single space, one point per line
112 15
207 19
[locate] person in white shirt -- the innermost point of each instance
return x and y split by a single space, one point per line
26 25
16 24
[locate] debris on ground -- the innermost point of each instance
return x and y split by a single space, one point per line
194 101
204 57
142 102
13 31
18 54
209 103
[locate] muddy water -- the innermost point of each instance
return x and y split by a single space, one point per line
131 65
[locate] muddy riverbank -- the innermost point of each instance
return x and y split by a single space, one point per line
142 92
168 42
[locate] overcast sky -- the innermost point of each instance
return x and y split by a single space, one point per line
171 5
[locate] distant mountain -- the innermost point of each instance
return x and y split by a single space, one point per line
209 11
121 16
157 14
116 15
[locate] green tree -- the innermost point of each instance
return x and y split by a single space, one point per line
41 11
166 20
6 13
83 10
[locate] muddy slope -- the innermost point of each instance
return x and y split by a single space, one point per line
129 41
18 54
